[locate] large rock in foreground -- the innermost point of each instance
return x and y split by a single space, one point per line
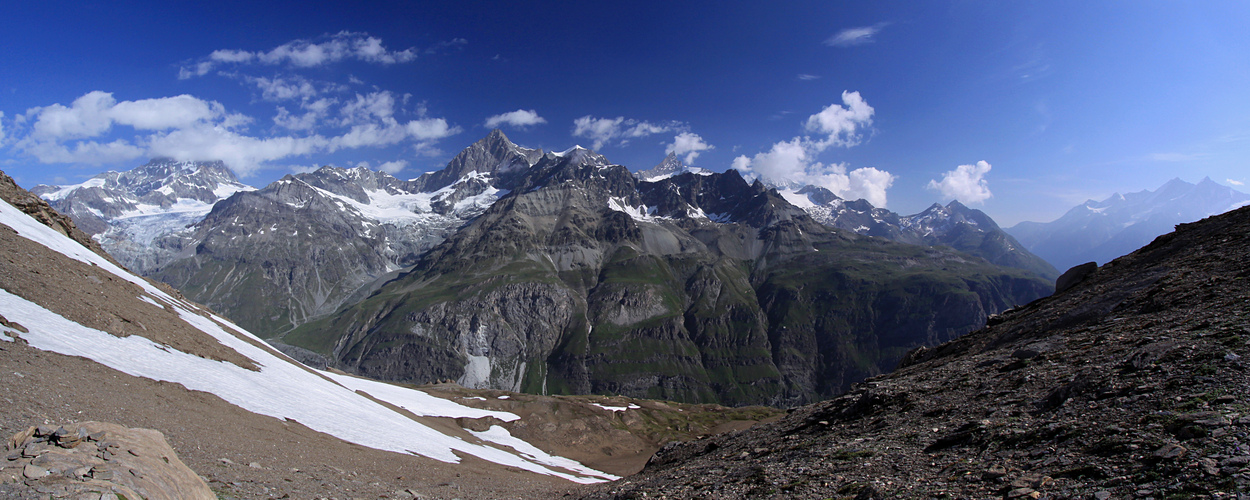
97 459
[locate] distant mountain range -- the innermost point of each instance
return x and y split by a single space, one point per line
955 225
495 271
1100 231
694 287
128 212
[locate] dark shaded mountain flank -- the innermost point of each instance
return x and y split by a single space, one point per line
697 287
1130 384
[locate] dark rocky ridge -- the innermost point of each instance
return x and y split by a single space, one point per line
954 225
693 288
1132 383
313 242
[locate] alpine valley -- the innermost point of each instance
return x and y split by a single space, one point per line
560 273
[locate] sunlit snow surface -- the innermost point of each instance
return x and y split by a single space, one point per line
281 388
796 199
618 408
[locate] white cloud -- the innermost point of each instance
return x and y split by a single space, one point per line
315 112
307 53
94 114
1 127
393 167
232 56
520 118
840 124
606 130
807 77
689 144
365 108
790 162
854 36
88 152
188 128
793 161
966 183
87 116
1234 182
283 89
430 129
165 113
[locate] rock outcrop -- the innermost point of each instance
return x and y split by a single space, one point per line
96 459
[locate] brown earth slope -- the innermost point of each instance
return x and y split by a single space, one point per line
1131 384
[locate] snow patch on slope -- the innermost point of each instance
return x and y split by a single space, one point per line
280 389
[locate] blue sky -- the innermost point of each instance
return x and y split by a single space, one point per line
1021 109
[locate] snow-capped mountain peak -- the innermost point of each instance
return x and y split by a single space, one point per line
671 165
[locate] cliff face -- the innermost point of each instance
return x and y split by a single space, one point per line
698 287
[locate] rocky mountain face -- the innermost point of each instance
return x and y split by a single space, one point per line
311 242
671 165
133 214
585 279
1100 231
1130 384
954 225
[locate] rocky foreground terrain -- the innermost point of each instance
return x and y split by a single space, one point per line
1132 383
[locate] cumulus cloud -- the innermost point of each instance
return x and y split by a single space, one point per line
188 128
840 124
966 183
689 144
314 113
794 161
96 112
283 89
520 118
1234 182
791 162
620 129
854 36
306 54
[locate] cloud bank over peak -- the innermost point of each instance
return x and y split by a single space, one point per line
794 161
98 129
966 183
